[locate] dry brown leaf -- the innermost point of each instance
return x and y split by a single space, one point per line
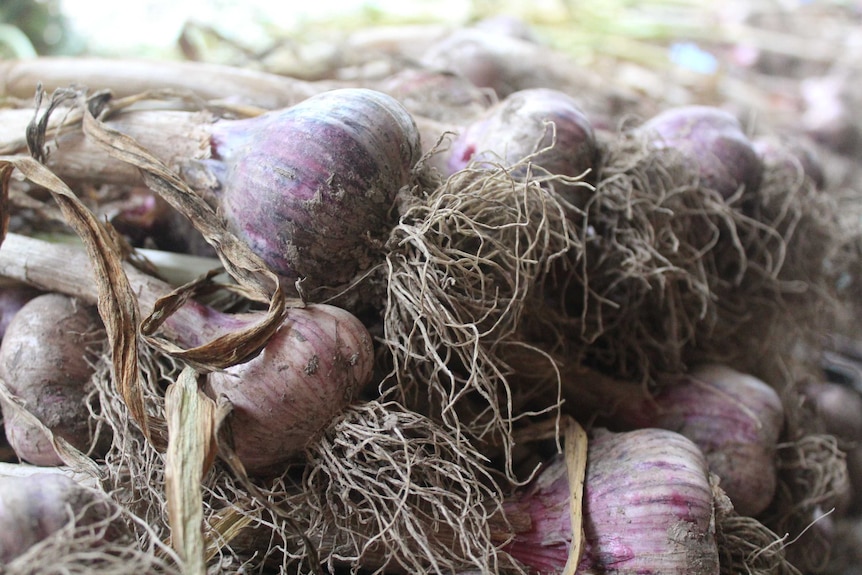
191 451
225 528
117 302
575 449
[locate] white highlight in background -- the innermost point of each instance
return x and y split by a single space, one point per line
153 26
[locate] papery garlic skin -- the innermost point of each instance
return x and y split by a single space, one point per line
311 188
713 141
648 506
648 509
283 399
736 420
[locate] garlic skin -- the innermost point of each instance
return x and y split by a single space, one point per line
311 188
503 63
648 509
797 157
436 95
46 360
545 545
714 142
546 125
283 399
648 506
36 507
736 420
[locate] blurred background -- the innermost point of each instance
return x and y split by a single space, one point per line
153 27
813 29
629 42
